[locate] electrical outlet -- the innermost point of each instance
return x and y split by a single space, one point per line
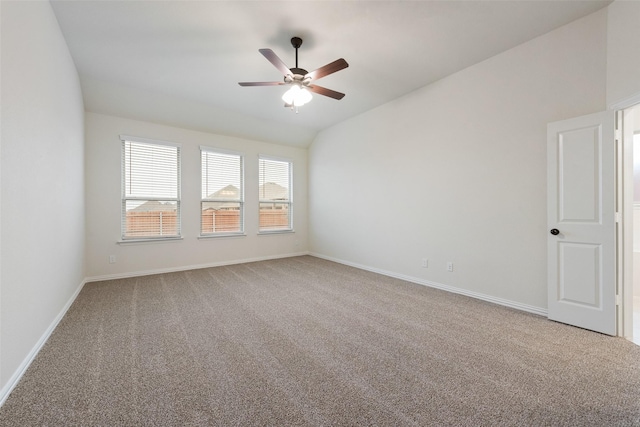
112 259
449 266
425 263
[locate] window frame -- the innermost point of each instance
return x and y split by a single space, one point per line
124 198
289 202
241 200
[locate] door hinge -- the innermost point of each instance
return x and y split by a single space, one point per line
618 217
618 299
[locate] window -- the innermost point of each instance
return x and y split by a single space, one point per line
150 189
275 194
222 203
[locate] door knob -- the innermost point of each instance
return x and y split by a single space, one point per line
555 231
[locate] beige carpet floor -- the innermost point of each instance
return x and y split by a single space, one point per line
304 341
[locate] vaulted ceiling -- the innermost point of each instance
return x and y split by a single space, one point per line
178 62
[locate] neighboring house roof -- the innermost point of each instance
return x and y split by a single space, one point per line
155 206
268 191
273 191
229 192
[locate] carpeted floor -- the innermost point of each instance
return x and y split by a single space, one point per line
303 341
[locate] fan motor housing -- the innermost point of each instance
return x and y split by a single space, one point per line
300 71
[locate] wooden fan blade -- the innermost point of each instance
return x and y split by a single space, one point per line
337 65
261 83
277 62
326 92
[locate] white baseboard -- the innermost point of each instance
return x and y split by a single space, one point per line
188 267
13 381
507 303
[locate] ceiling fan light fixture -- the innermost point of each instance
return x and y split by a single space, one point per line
302 97
297 96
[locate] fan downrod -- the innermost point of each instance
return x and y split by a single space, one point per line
296 42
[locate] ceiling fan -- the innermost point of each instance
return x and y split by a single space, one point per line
300 80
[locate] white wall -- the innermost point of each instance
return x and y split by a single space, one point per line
103 195
42 184
456 171
623 51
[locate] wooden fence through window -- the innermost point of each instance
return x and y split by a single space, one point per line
164 223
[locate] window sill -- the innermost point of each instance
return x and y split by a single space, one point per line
221 235
146 241
267 232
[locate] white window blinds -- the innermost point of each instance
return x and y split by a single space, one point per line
150 189
222 203
275 182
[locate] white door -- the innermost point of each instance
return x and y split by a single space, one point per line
581 189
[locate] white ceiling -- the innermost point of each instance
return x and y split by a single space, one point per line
178 62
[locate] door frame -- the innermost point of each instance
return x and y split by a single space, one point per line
625 233
624 205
